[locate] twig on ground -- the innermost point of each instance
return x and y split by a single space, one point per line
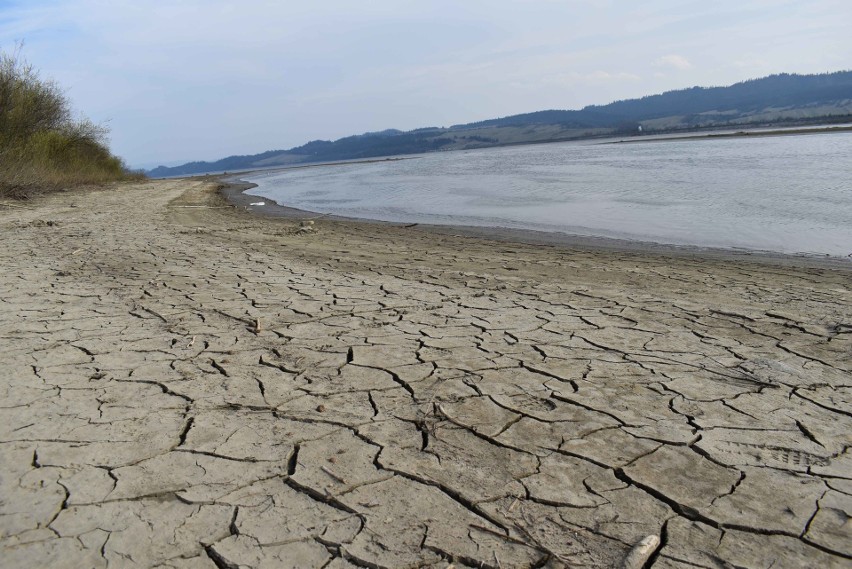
513 504
641 552
204 206
332 474
15 205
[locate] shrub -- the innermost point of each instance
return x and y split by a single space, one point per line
42 146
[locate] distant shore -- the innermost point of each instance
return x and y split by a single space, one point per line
738 134
697 134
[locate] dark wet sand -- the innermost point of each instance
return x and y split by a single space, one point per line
234 191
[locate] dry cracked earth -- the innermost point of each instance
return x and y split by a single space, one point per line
187 386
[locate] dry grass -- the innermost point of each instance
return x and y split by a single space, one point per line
42 147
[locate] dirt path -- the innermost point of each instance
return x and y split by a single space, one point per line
187 386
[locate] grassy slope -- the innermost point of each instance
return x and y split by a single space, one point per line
42 147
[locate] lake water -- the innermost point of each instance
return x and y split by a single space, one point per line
790 194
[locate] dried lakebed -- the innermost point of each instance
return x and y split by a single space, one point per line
185 386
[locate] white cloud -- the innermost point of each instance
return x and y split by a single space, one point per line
750 63
607 76
674 61
208 78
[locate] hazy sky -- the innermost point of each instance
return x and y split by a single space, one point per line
193 79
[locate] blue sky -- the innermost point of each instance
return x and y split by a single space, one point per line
192 79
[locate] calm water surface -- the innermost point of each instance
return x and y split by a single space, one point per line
790 194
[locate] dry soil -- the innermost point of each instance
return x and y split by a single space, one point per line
185 385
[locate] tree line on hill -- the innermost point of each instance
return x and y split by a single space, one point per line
693 107
783 90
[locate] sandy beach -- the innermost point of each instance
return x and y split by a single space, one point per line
190 385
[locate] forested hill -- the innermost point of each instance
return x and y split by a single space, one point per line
776 91
775 100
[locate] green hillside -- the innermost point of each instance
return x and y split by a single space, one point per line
783 99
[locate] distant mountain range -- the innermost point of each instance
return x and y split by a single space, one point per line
784 99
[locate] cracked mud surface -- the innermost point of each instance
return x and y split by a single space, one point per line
191 387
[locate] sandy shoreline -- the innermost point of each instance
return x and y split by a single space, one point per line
191 385
741 133
234 190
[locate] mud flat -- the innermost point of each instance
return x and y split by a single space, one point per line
187 385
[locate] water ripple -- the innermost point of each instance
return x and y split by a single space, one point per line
786 194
